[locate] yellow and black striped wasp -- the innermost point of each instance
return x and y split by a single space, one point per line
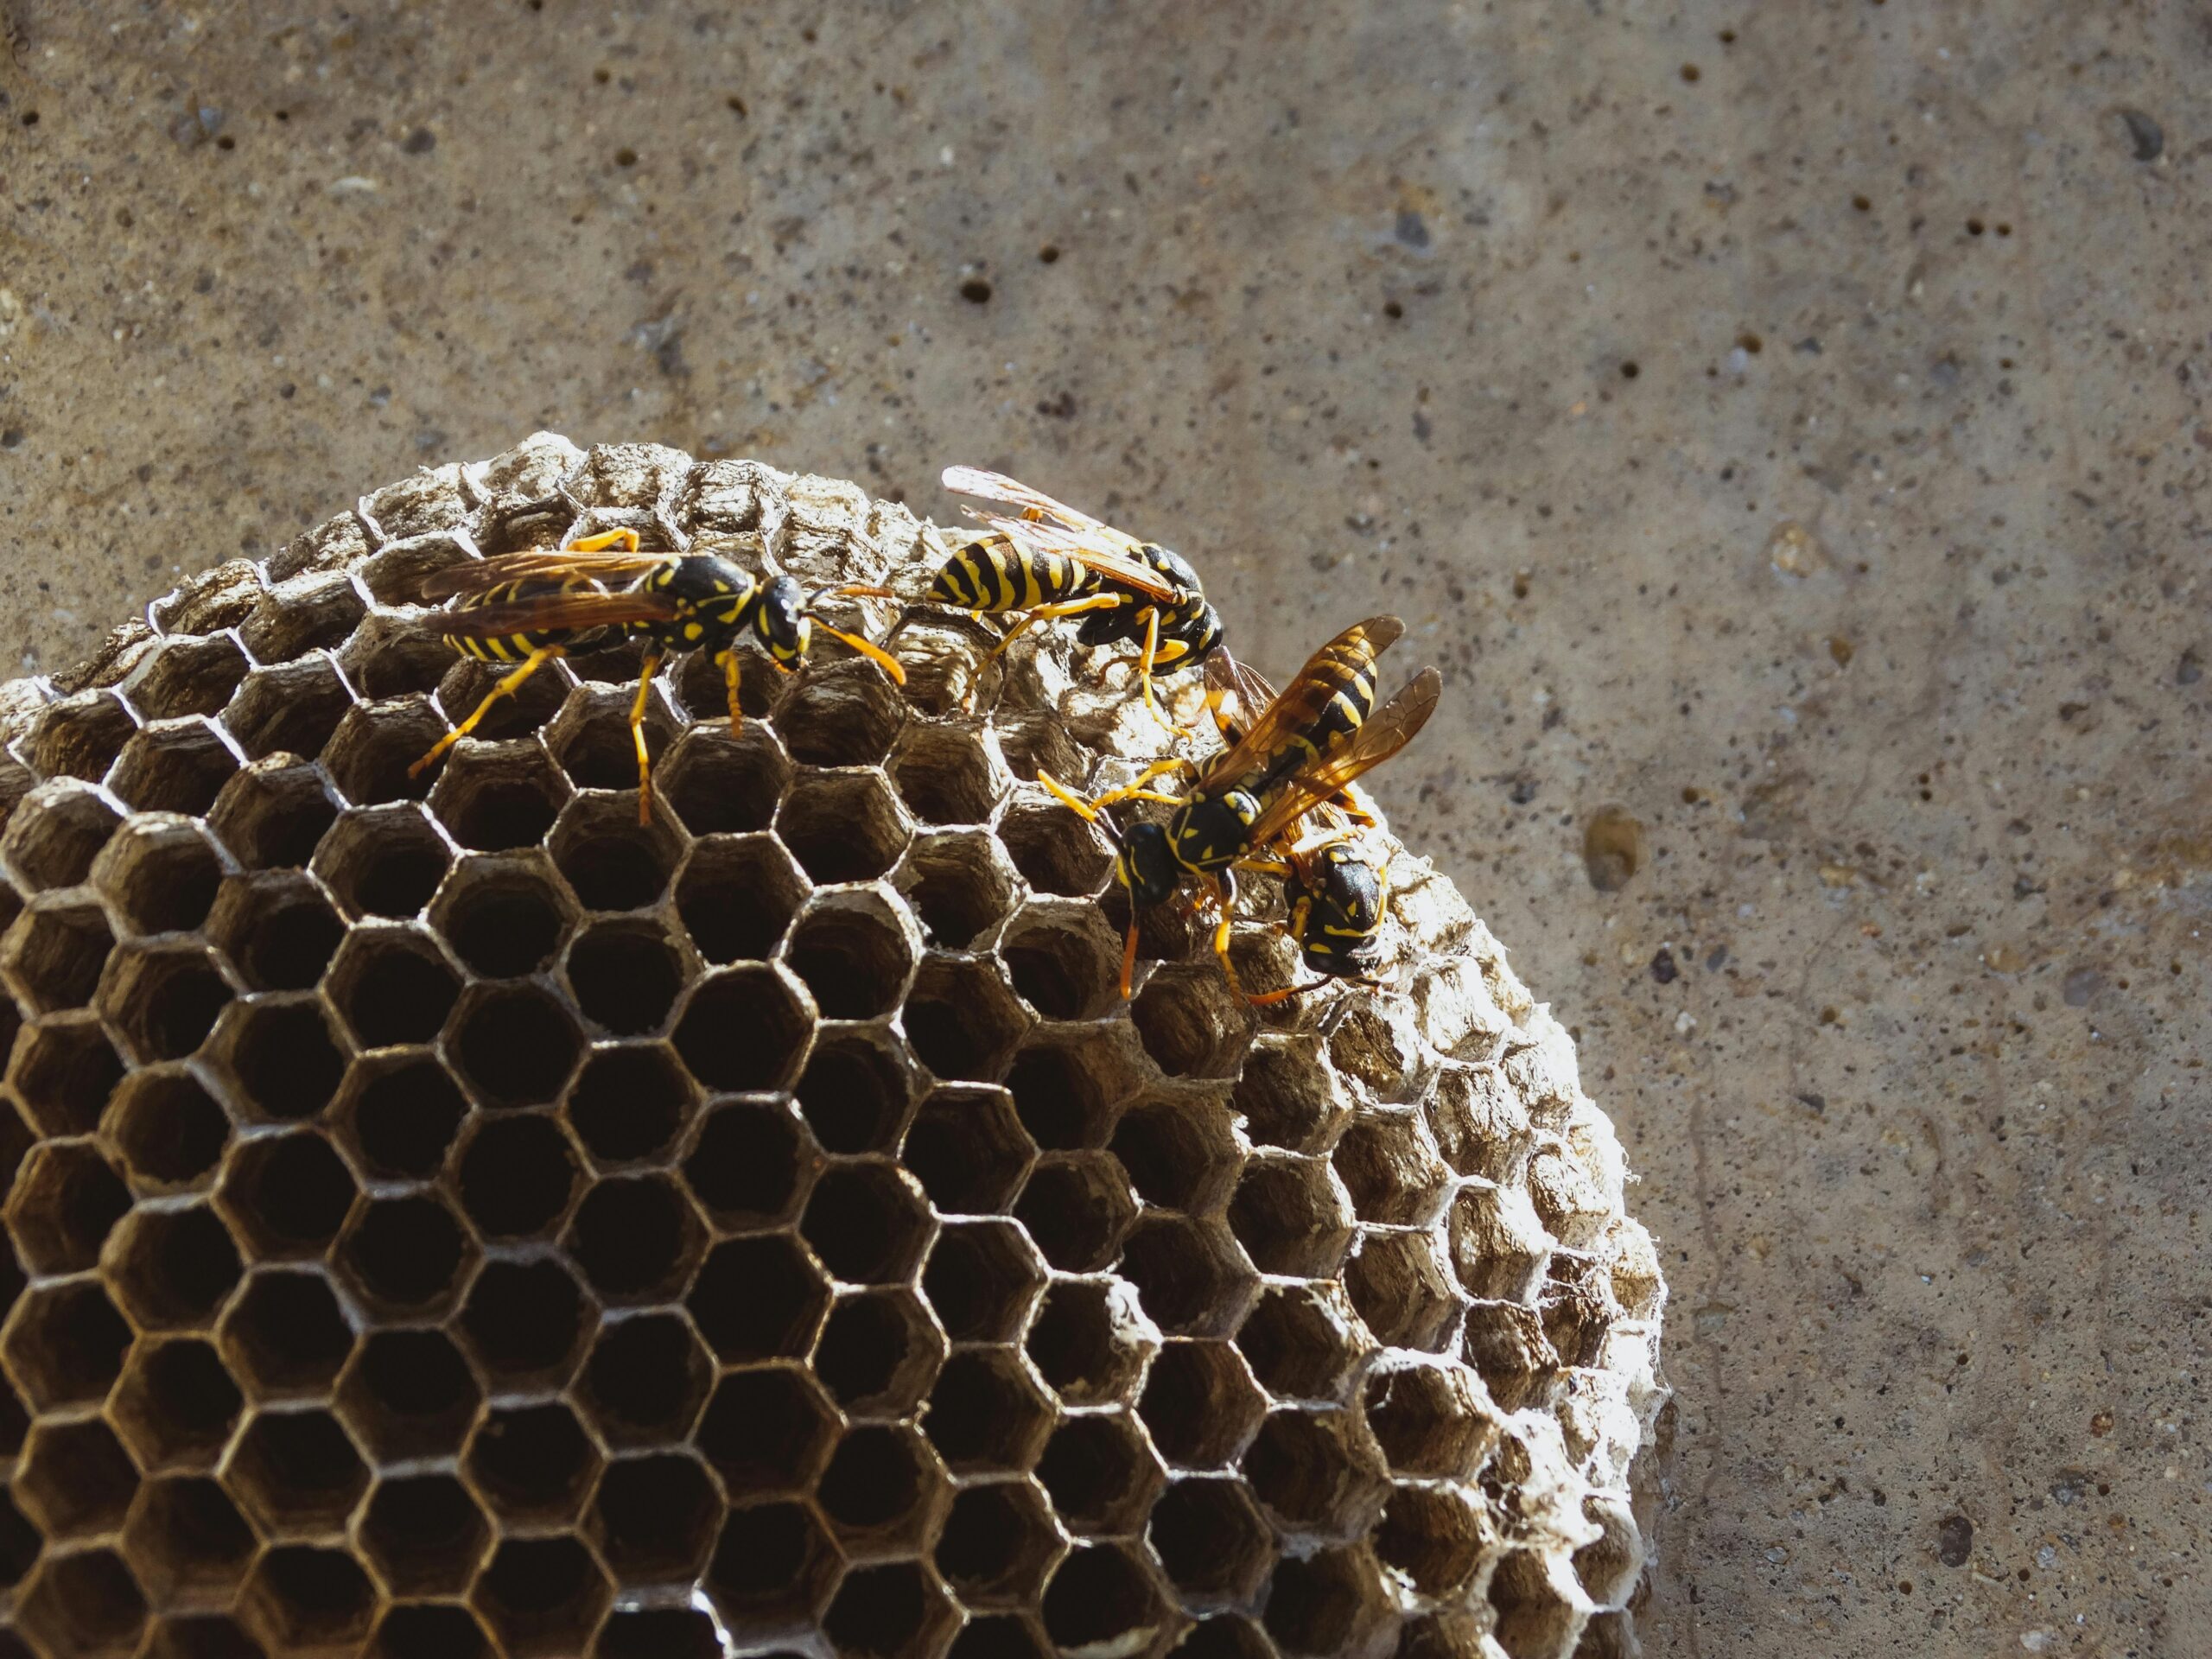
1048 560
1307 747
528 608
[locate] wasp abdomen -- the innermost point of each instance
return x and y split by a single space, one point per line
992 574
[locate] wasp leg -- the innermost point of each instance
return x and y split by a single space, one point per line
505 688
1269 999
624 540
1130 955
638 737
729 678
1225 895
1135 791
1050 613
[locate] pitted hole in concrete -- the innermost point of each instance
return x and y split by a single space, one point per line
1177 1155
612 862
980 1279
504 919
1434 1535
967 1149
524 1320
542 1596
369 755
985 1412
80 736
961 1020
1320 1603
853 1094
866 1224
844 715
1057 851
272 816
163 875
1101 1599
296 1471
1200 1404
176 1403
742 1030
405 1117
893 1611
654 1518
289 1193
875 1482
177 766
383 863
67 1199
294 708
625 975
997 1541
720 784
1534 1620
424 1533
189 677
1287 1218
56 833
737 896
959 887
77 1477
427 1630
1614 848
1191 1023
1100 1473
516 1044
1189 1275
393 988
772 1569
164 1002
659 1633
175 1268
1213 1545
853 957
405 1252
876 1351
633 1238
190 1544
287 1334
278 929
516 1177
65 1071
56 952
593 746
748 1164
759 1297
285 1058
1298 1343
630 1103
646 1380
1083 1344
411 1394
169 1128
946 775
1076 1207
842 827
499 800
767 1432
532 1463
86 1602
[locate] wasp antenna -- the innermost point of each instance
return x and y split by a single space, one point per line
877 654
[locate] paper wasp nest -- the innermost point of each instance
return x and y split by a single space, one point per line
447 1218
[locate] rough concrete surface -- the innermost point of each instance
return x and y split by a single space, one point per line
1782 423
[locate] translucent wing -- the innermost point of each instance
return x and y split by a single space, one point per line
1389 729
1285 717
481 575
1044 526
1033 505
542 612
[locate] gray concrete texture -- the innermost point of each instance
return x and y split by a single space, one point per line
1783 423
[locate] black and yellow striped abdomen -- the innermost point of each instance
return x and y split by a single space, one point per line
991 574
515 647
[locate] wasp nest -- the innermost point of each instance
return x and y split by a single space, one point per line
450 1218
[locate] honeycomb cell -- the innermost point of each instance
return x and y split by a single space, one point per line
1078 1207
405 1255
772 1570
525 1321
382 862
301 617
54 952
75 1479
189 677
987 1412
462 686
896 1611
998 1544
504 917
645 1381
1313 1473
1001 1635
854 1092
293 708
960 885
1191 1023
368 756
968 1149
1288 1097
1211 1542
515 1177
1434 1535
64 1071
286 1334
188 1543
1180 1149
403 1113
611 862
946 774
749 1163
1325 1604
1101 1597
1607 1566
1056 851
654 1519
275 927
1303 1342
80 736
161 873
1498 1246
65 1344
590 737
84 1603
65 1201
881 1489
853 953
1065 961
743 1029
391 985
878 1352
1390 1167
176 766
625 976
287 1195
283 1056
767 1433
175 1405
842 826
1289 1216
1067 1085
162 1000
961 1021
630 1103
533 1464
1101 1474
498 798
635 1238
436 1630
1507 1345
869 1224
719 785
273 815
842 715
542 1596
1090 1340
516 1044
737 896
659 1633
296 1473
1200 1404
423 1535
172 1267
981 1279
1402 1287
1535 1618
759 1297
1429 1417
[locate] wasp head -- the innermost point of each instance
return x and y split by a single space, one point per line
782 622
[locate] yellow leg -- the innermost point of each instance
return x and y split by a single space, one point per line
1049 613
729 677
1225 895
1130 955
505 688
638 737
625 540
1133 791
1069 798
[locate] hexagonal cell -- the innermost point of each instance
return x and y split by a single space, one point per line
1101 1474
1212 1542
1303 1342
178 766
1507 1345
1064 961
287 1195
659 1633
961 1019
998 1543
854 954
75 1479
424 1534
1536 1617
369 755
391 657
392 986
189 677
312 612
525 1320
743 1029
503 917
737 896
960 885
162 999
406 1254
1288 1096
1191 1024
438 1629
771 1572
84 1604
1078 1207
897 1612
53 953
720 784
947 774
758 1298
291 708
64 1070
854 1092
981 1279
1179 1148
498 798
277 928
403 1112
409 1395
842 715
767 1432
533 1464
1314 1472
383 861
188 1541
749 1163
1056 851
634 1237
169 1128
176 1404
516 1176
1434 1535
65 1201
646 1380
1289 1216
843 826
1200 1404
591 737
298 1472
516 1044
1101 1597
273 814
611 862
1328 1603
80 736
868 1222
55 833
968 1150
541 1595
286 1333
282 1052
1091 1339
879 1490
878 1352
173 1267
625 975
1390 1165
1606 1567
66 1344
986 1413
1499 1248
655 1518
1065 1086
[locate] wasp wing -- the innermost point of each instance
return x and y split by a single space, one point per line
1284 719
575 609
481 575
1034 504
1107 558
1389 729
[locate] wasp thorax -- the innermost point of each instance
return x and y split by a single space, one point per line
1146 864
1208 835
